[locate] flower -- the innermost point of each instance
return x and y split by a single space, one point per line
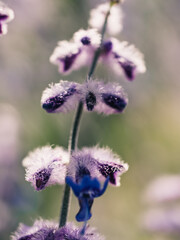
68 56
100 163
86 169
41 230
96 96
48 230
103 98
6 15
86 190
123 58
60 97
97 16
78 52
46 166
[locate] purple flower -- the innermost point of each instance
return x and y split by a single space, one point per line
60 97
6 15
41 230
98 163
97 16
96 96
86 190
123 58
46 166
68 57
48 230
103 98
78 52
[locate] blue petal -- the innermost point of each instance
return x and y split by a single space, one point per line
102 191
75 187
84 213
88 183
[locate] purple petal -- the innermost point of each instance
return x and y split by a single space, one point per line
114 101
55 102
129 69
110 171
42 177
68 61
3 17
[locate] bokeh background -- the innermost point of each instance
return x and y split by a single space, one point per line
147 135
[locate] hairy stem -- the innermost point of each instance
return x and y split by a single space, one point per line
73 139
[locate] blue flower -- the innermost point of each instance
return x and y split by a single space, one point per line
86 190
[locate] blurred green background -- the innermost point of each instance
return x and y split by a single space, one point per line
146 136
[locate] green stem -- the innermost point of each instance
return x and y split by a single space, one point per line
75 129
72 146
98 51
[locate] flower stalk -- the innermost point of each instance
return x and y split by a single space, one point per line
73 139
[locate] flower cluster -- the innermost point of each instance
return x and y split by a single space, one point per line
103 98
47 166
48 230
6 15
79 51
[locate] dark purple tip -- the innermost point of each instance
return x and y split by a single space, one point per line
26 238
3 17
109 171
55 102
129 69
86 41
42 178
41 234
114 101
90 101
68 61
107 47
